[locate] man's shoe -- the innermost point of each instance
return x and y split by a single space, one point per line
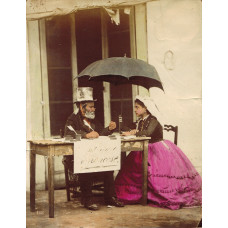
92 207
88 203
113 201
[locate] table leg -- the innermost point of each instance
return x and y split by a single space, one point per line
145 167
123 157
67 182
32 179
51 185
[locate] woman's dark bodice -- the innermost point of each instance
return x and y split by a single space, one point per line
150 127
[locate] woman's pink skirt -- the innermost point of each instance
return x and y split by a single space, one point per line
173 182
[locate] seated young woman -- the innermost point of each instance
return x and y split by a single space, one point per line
173 182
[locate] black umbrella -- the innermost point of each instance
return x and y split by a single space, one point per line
123 70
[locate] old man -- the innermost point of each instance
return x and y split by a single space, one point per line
83 122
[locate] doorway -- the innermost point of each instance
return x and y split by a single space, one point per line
89 49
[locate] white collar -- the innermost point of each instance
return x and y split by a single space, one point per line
144 118
88 125
137 124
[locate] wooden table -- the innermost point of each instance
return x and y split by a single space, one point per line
51 148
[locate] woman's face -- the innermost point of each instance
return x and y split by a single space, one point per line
140 111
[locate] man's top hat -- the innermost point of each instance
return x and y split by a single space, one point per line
84 94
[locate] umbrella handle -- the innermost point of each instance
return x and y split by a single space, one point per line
120 122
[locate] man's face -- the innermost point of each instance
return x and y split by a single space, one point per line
90 107
89 110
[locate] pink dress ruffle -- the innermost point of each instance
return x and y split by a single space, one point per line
173 182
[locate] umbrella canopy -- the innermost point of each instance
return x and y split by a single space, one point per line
123 70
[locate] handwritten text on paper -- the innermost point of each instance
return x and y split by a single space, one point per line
97 155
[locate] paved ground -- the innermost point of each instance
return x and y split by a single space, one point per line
72 214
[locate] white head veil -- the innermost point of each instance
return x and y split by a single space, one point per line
151 107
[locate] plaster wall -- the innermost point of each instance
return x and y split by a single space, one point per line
174 37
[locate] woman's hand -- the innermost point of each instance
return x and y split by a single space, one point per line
132 132
125 133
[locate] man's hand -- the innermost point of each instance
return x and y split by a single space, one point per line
112 126
92 134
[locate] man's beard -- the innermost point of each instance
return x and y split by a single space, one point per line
90 115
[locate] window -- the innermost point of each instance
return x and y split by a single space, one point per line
89 49
59 71
119 46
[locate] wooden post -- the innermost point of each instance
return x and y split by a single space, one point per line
133 53
141 32
35 81
104 35
74 64
132 32
51 181
106 93
44 80
141 39
32 178
145 167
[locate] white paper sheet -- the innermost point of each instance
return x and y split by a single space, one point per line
129 137
96 155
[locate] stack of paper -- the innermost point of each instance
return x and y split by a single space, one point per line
128 137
